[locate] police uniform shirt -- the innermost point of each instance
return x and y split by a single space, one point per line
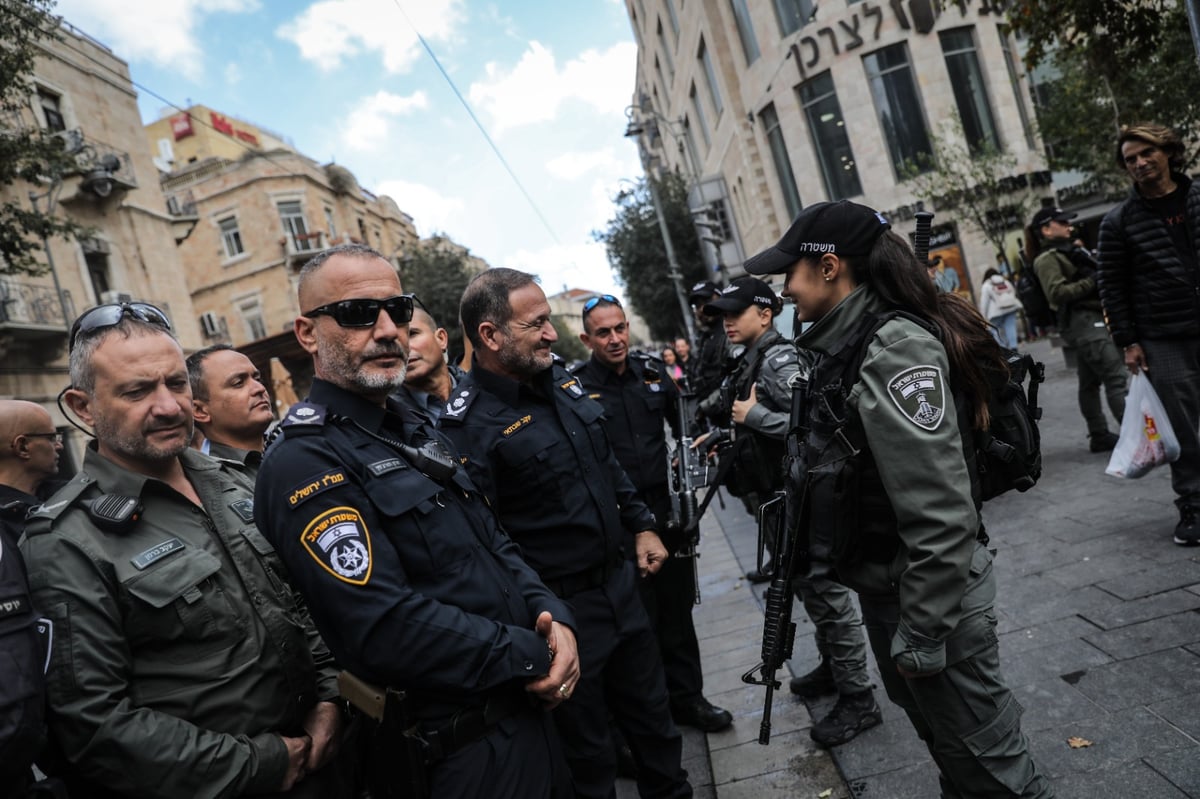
179 653
248 459
540 454
22 684
410 580
635 406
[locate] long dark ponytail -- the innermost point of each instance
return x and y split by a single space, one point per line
892 270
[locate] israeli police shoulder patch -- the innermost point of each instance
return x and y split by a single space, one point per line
339 541
920 394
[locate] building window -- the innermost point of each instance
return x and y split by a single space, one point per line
970 91
828 129
1010 61
745 28
689 138
710 76
792 15
252 315
701 120
673 19
51 104
666 51
329 224
97 267
661 78
231 237
899 107
783 165
294 227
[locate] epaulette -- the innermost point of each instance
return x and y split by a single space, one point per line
569 384
778 359
303 417
41 517
461 399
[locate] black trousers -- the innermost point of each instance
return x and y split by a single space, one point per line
622 676
669 597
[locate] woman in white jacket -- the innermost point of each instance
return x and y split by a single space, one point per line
999 304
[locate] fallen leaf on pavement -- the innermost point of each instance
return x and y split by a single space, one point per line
825 793
1075 742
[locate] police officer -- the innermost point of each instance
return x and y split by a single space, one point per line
639 399
181 663
535 443
231 405
1067 273
409 578
29 451
761 420
909 541
429 378
706 365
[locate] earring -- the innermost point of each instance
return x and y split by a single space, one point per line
828 278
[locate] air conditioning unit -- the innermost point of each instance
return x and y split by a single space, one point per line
115 297
72 140
210 324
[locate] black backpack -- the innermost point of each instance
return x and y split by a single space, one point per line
1008 454
1037 307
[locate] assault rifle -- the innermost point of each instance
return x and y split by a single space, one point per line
779 529
688 472
396 766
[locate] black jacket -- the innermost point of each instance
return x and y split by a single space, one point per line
1148 291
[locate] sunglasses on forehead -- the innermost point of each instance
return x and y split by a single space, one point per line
365 313
591 304
103 316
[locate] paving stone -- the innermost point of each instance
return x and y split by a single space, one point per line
1091 570
1154 580
1155 635
1117 738
889 746
1039 600
1178 767
1122 781
816 775
1052 703
752 759
1041 635
1141 681
1144 609
1183 712
919 781
1036 665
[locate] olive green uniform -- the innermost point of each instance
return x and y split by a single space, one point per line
250 459
1076 298
929 610
179 655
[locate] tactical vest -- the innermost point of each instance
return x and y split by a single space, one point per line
845 507
758 459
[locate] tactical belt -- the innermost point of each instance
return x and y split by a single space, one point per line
586 580
470 724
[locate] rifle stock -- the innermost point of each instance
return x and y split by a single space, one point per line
688 471
921 236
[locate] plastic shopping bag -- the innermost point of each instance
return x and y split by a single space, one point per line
1147 439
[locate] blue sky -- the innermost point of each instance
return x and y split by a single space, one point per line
347 80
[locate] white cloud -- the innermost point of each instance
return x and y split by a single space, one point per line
576 266
233 74
160 31
569 166
368 126
330 30
535 89
431 211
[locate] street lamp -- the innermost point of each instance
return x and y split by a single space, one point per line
51 198
673 271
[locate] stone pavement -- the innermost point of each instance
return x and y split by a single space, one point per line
1099 616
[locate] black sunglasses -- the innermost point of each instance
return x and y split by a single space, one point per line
591 304
103 316
365 313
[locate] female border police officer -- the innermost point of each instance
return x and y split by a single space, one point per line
887 492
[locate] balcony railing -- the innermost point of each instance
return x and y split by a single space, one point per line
33 306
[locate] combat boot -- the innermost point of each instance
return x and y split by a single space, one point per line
817 682
1187 532
852 714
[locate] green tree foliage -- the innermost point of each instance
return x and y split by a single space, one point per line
1108 64
568 347
639 257
981 187
29 157
438 277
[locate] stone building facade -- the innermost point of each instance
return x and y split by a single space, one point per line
770 106
82 94
180 138
260 217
